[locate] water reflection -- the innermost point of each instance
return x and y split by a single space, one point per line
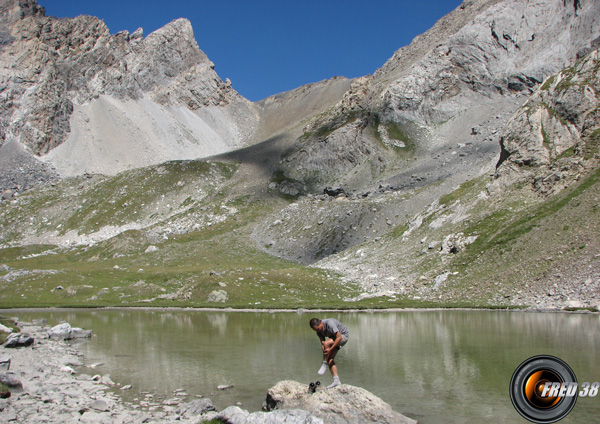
436 366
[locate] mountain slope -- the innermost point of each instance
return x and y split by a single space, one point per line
430 118
529 235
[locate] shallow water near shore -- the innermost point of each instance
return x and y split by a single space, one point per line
435 366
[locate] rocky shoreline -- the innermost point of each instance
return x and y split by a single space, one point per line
49 382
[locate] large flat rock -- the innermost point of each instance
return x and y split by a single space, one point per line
344 404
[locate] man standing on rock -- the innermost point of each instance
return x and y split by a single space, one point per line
333 335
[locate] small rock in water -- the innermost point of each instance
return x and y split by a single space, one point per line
68 369
225 386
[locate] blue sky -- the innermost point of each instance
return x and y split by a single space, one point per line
269 46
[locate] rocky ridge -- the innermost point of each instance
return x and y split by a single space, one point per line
445 99
120 100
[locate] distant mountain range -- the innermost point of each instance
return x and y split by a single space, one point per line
448 176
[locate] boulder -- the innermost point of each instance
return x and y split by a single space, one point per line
64 331
218 296
151 249
344 404
233 415
10 380
5 329
15 340
7 194
334 192
455 243
100 405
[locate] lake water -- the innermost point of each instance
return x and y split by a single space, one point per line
434 366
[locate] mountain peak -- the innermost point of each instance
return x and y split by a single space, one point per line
20 9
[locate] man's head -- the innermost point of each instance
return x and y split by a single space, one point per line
316 324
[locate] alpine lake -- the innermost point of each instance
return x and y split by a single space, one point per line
436 366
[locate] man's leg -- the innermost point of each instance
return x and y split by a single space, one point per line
333 368
326 345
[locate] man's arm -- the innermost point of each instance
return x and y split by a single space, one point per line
336 342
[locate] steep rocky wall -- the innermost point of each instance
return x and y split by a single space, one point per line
484 49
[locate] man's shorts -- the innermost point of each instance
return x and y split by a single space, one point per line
342 343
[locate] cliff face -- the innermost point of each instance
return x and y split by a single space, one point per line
480 51
71 81
555 135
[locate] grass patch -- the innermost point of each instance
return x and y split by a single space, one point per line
117 201
466 190
183 270
9 323
548 83
332 125
514 240
138 198
399 230
531 218
396 132
4 391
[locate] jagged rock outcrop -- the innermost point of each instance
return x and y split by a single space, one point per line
343 404
555 135
118 101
